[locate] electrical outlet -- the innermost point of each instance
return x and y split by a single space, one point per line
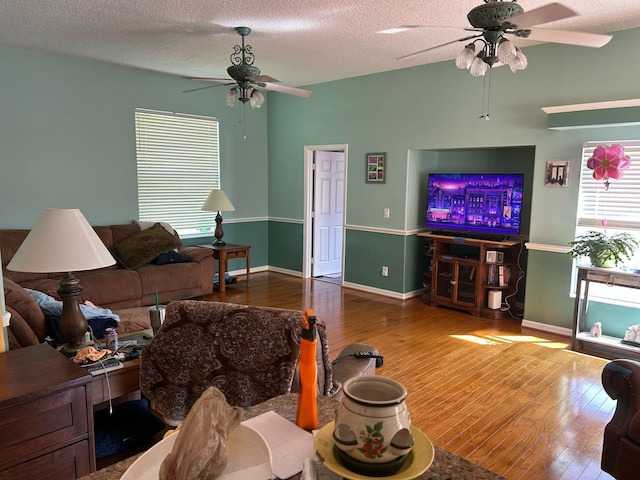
385 271
385 213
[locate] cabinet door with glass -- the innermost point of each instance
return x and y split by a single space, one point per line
455 281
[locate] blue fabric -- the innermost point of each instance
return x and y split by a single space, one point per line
98 318
53 308
169 257
98 326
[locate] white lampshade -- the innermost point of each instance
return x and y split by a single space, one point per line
257 99
506 51
217 201
232 97
478 67
61 241
465 58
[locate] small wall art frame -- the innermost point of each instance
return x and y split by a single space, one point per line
557 174
376 167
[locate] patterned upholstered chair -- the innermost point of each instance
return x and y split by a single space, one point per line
249 353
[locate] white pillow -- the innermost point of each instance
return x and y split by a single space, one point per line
145 225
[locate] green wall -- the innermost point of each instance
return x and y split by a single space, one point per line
429 115
67 140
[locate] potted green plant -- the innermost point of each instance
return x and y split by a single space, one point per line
604 250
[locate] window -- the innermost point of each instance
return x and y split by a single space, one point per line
178 164
619 206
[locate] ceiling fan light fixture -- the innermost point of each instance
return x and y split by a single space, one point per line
465 58
506 51
232 96
478 67
519 62
257 99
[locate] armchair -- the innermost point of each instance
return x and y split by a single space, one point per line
249 353
621 445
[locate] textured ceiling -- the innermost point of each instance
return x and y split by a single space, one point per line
299 42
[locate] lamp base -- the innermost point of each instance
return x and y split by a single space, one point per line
218 232
72 324
70 350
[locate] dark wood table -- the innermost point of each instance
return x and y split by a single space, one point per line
122 384
224 253
45 414
445 464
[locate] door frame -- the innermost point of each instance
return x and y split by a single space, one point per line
309 151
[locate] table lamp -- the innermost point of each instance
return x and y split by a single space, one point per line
217 201
63 241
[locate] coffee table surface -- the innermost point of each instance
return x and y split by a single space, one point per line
445 464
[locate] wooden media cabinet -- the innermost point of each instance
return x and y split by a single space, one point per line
461 272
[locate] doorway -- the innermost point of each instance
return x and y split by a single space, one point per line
325 194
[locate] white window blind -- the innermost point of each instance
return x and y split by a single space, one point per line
178 164
620 204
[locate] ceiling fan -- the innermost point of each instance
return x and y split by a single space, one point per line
245 77
498 18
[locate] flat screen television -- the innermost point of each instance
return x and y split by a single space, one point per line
477 204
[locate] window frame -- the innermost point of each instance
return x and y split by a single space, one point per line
177 165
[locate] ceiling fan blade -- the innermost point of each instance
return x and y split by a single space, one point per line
582 39
209 79
202 88
298 92
262 79
538 16
438 46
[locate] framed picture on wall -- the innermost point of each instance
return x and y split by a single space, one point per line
557 174
376 167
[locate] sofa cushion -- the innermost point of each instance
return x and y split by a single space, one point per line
19 300
143 246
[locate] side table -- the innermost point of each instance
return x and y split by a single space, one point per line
224 253
46 417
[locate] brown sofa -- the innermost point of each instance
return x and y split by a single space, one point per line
118 287
621 445
249 353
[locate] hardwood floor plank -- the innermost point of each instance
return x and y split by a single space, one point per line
511 399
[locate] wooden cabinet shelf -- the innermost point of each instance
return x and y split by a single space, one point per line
461 272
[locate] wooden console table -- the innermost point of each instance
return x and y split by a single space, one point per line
224 253
581 339
46 416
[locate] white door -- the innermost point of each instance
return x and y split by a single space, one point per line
328 205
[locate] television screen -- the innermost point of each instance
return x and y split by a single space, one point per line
484 204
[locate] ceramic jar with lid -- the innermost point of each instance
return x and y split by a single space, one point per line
372 424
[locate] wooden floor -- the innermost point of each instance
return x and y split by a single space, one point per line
513 400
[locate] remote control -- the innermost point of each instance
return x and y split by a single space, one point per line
379 358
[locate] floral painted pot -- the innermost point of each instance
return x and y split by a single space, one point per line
372 424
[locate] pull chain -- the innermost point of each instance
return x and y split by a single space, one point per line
486 95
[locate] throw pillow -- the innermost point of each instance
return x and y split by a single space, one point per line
143 246
19 299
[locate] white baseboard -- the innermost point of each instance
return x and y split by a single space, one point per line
545 327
